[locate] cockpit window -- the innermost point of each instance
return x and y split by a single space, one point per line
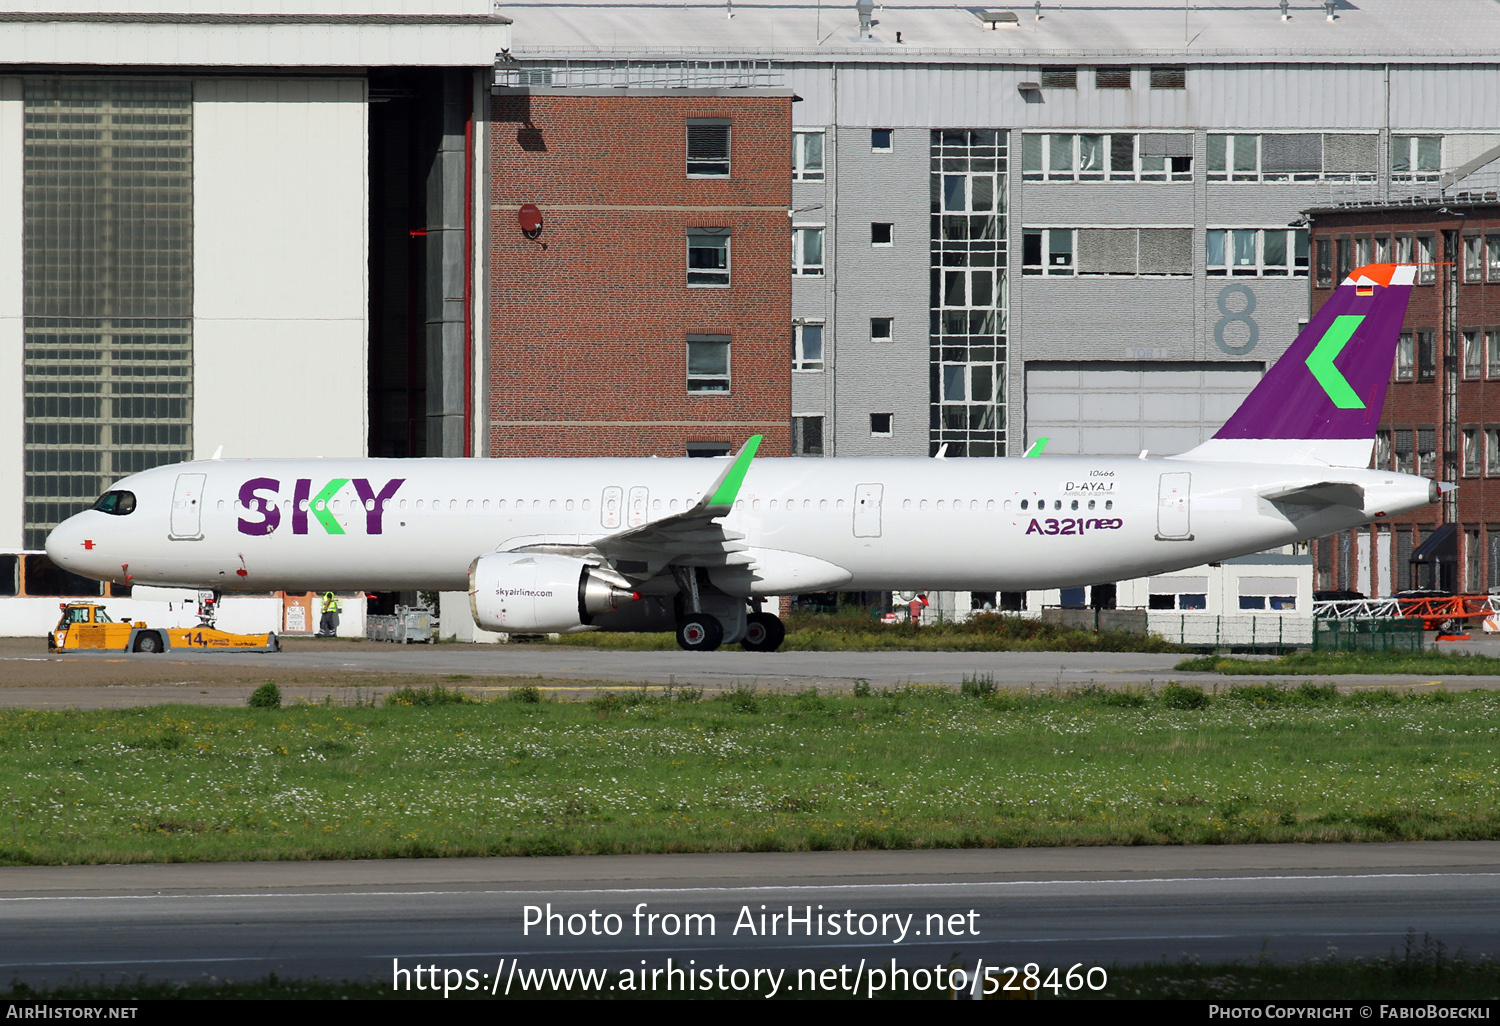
118 504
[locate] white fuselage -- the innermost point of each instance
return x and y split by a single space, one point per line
884 523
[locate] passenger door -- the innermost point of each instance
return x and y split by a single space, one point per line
1174 508
867 510
187 507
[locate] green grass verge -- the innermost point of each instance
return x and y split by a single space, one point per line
1425 664
857 631
1424 971
666 771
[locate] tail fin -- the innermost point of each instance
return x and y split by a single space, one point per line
1320 403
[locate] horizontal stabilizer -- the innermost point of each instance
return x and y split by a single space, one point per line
1324 493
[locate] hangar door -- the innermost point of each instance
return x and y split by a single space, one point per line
1106 408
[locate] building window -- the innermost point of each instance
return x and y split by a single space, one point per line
1403 249
1492 451
1117 157
1325 261
1178 592
882 233
1406 357
708 257
1268 592
1473 355
1426 451
1047 251
882 329
707 450
1106 251
807 435
1382 249
1059 77
1343 256
1473 259
708 148
1492 347
707 363
1426 260
107 312
1472 457
1361 251
880 140
1290 157
1492 257
1382 450
1416 158
1405 453
1473 557
880 425
807 250
969 297
1426 355
1257 252
1113 77
807 346
1169 76
807 156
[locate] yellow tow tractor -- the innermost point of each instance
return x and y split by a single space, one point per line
85 625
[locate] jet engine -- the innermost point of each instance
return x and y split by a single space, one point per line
539 593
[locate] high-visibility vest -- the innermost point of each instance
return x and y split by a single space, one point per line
330 603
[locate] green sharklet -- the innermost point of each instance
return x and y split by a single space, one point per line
320 505
1320 362
729 485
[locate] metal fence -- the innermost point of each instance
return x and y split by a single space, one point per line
1368 636
627 74
1244 633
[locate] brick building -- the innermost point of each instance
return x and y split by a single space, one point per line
1442 413
648 315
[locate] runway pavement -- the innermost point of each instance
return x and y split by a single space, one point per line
1054 907
310 670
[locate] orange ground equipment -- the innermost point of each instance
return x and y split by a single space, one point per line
86 626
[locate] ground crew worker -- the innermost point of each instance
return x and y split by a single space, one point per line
329 625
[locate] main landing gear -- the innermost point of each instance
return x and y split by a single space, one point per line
699 630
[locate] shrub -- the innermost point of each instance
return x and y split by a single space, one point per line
1184 696
741 699
977 686
526 693
435 695
267 696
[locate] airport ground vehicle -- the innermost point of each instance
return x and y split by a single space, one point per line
85 625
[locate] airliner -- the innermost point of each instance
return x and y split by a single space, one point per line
696 546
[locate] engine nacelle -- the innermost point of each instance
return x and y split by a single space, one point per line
539 593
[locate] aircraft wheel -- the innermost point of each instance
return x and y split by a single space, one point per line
148 641
764 632
699 632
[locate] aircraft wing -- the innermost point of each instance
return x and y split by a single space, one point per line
1324 493
690 538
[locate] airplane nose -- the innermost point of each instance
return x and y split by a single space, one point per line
68 546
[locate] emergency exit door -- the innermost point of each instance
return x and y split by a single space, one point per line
867 510
187 507
1174 508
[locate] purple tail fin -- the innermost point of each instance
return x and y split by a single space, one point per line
1331 383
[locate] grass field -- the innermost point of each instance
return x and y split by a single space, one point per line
1426 663
855 630
747 771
